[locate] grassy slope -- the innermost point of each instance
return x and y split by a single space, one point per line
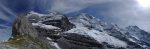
25 42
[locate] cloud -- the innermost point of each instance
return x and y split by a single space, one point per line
68 6
6 13
3 26
121 12
129 13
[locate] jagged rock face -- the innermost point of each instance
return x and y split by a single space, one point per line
56 20
83 32
50 25
25 36
141 36
61 22
77 41
67 40
34 18
116 32
22 26
138 33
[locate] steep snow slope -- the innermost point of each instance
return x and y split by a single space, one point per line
90 26
99 36
138 35
116 36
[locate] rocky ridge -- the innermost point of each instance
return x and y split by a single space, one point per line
56 31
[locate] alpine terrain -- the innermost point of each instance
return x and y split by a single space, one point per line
57 31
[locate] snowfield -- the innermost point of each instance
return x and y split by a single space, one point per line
99 36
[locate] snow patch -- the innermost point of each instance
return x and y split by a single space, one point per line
35 13
103 37
99 36
55 44
39 14
131 39
49 26
48 38
45 26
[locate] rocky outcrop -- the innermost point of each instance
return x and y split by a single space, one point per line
22 26
58 21
45 25
50 25
77 41
25 36
140 36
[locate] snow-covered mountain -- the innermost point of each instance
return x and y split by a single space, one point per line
57 31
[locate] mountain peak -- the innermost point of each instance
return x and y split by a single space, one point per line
135 28
132 27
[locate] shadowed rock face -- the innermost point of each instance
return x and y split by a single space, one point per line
61 22
54 20
77 41
25 36
22 26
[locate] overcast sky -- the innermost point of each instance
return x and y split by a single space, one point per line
121 12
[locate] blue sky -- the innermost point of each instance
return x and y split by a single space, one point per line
121 12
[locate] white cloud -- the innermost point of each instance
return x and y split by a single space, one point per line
124 12
67 6
129 13
1 25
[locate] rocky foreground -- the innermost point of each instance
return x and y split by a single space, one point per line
56 31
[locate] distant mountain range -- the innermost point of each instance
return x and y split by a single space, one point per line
57 31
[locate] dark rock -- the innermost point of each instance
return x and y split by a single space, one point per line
62 23
77 41
57 20
47 32
22 26
34 18
140 36
116 32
